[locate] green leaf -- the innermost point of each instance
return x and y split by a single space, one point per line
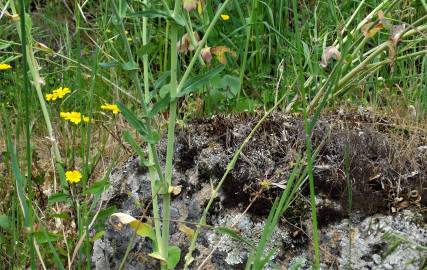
127 136
44 237
97 187
162 80
235 235
165 90
60 215
151 13
143 229
4 222
143 50
104 214
133 119
230 82
174 254
155 13
131 65
152 138
57 197
160 106
244 105
198 81
61 175
122 8
98 235
108 64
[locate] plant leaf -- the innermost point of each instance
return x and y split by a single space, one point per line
199 81
57 197
370 29
4 222
189 232
235 235
174 254
133 119
42 237
98 187
160 106
155 13
328 54
142 229
131 65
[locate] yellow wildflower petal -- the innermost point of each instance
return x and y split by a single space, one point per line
49 97
111 107
73 176
5 66
225 17
75 117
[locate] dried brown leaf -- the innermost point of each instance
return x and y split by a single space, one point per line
328 54
220 52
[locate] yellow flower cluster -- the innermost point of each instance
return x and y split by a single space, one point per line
110 107
74 117
73 176
5 66
58 93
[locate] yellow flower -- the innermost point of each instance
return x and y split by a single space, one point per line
50 97
225 17
58 93
110 107
61 92
74 117
5 66
73 176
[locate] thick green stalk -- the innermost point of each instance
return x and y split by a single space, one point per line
152 154
171 138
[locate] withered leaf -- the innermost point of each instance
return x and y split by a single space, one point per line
328 54
220 52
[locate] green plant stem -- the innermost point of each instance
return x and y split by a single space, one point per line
246 51
190 33
37 82
145 57
29 217
152 153
151 148
171 138
135 75
424 4
175 88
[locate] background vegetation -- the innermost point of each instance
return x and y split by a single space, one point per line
295 56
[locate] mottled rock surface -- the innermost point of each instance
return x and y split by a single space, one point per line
386 173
